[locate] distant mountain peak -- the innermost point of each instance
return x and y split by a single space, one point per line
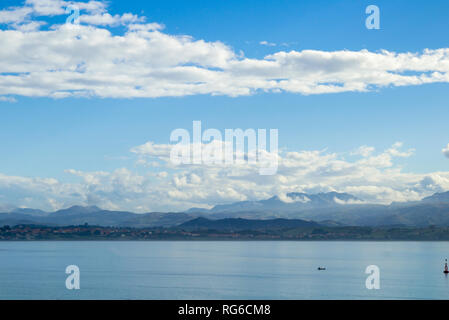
298 197
79 209
290 202
30 211
442 197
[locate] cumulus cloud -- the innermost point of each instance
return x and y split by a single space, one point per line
7 99
363 151
268 44
143 61
446 151
15 14
167 187
105 19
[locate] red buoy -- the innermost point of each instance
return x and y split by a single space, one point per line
446 270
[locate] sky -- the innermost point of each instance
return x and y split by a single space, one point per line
86 110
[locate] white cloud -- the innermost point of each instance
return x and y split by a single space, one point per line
47 7
268 44
15 14
363 151
58 7
89 60
91 12
284 198
349 201
7 99
446 151
105 19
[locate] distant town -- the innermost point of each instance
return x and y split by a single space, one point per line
87 232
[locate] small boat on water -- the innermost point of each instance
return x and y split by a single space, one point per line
321 268
446 270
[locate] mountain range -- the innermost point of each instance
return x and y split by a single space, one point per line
339 208
331 209
92 215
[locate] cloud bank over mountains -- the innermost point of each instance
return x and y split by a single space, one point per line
54 59
374 177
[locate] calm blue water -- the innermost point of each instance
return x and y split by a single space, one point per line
223 270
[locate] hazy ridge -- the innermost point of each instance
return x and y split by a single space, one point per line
330 209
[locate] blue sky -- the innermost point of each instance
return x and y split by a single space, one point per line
43 136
